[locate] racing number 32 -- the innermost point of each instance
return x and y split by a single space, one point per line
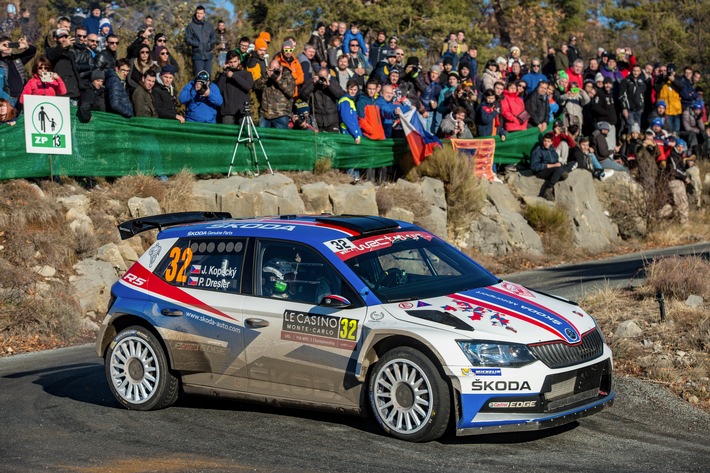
175 271
348 328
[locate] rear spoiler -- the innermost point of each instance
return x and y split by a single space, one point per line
138 225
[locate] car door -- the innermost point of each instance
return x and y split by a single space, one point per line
295 348
201 311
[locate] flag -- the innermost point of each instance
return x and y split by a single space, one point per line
481 154
196 269
421 142
193 281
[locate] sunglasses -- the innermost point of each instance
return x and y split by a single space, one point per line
288 50
81 36
536 65
39 68
355 45
163 54
93 40
145 52
113 42
161 40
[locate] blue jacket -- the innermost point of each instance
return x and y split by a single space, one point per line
3 85
485 117
199 108
541 157
388 113
532 79
91 23
348 116
348 36
687 93
431 92
452 56
117 99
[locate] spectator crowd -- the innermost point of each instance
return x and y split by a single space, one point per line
607 113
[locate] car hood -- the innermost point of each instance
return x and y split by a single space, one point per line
504 311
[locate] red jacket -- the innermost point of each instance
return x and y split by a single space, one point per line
578 78
511 107
35 86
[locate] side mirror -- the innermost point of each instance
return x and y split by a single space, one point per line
334 301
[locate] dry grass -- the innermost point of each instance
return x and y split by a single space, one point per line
679 276
179 193
674 353
552 223
322 166
332 176
388 197
465 195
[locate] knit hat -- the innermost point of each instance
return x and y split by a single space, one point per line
436 68
514 48
649 132
104 22
599 77
265 36
562 75
657 122
501 59
391 53
661 102
697 105
608 80
97 74
287 44
300 107
396 70
449 60
168 69
636 128
320 25
453 73
413 61
604 126
260 43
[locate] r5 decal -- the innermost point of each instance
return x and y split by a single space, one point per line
133 279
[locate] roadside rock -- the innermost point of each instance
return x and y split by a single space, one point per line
316 198
398 213
143 207
624 199
354 199
694 301
430 191
262 196
93 284
628 329
208 193
78 203
112 254
45 271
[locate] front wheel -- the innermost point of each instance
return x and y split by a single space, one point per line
409 397
137 371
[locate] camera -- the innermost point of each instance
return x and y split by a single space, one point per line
202 90
301 117
230 69
322 80
46 76
13 45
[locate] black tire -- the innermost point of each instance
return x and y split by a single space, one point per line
137 371
409 397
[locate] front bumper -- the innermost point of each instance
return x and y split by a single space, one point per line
539 423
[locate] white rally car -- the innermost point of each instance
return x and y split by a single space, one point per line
353 314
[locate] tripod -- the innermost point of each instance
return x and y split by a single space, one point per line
248 122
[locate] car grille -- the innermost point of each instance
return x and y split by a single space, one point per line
560 354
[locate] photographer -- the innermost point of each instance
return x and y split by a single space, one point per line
62 58
43 81
326 94
277 100
302 119
13 64
453 126
235 84
202 99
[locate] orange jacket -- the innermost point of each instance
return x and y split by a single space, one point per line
295 67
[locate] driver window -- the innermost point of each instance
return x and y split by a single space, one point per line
295 272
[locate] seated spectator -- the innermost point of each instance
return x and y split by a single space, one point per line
354 34
488 116
278 88
562 141
546 165
453 125
512 109
585 159
695 131
92 99
490 75
43 81
601 149
7 113
378 49
677 180
202 99
143 101
347 110
165 95
117 99
234 84
302 118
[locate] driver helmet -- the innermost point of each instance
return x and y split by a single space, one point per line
278 272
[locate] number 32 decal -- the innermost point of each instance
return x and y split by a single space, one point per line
179 261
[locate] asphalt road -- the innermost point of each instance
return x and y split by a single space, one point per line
57 414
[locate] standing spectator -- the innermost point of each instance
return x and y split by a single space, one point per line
512 108
687 91
533 78
222 43
106 59
538 107
488 115
242 49
378 49
317 40
306 59
446 98
9 24
575 73
347 110
677 180
201 98
289 61
161 41
14 65
3 85
514 56
611 70
429 97
590 73
104 32
331 32
92 99
91 23
490 75
461 39
357 61
343 73
117 99
200 36
368 112
28 27
92 43
695 129
142 39
335 50
382 72
632 91
278 94
561 58
451 55
413 85
7 113
326 93
470 60
546 165
235 84
165 95
43 81
143 102
63 23
604 110
62 58
139 66
548 66
572 51
574 102
353 34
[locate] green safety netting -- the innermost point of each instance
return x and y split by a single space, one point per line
110 145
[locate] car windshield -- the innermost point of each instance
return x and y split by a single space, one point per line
418 268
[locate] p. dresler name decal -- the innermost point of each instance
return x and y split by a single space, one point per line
316 329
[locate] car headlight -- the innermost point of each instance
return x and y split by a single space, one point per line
496 353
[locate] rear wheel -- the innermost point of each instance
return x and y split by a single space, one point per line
409 397
137 371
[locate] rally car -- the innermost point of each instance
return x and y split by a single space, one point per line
354 314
